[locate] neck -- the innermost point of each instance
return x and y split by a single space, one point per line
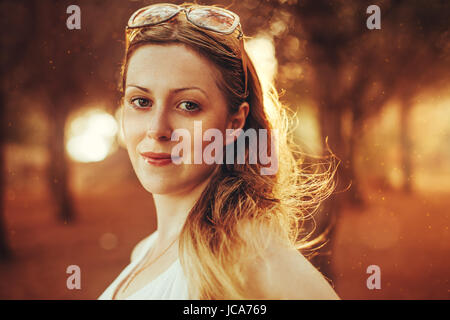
173 209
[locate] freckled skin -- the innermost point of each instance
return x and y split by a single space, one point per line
162 69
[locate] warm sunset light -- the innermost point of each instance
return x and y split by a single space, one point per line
343 169
307 130
261 50
91 136
118 117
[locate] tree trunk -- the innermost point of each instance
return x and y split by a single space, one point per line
58 170
405 144
62 87
354 194
5 252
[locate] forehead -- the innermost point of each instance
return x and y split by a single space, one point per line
173 65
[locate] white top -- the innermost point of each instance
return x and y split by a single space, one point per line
169 285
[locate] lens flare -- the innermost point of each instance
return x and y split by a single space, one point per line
91 136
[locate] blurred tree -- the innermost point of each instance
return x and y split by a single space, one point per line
60 69
357 70
5 252
33 23
420 56
15 44
75 67
62 88
405 143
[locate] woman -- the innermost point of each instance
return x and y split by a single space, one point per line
225 229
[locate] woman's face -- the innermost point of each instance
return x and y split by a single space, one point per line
169 87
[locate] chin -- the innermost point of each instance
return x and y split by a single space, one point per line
161 189
160 185
170 183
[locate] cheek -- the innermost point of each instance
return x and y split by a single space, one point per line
132 128
200 141
133 133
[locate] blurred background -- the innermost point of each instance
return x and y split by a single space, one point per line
69 195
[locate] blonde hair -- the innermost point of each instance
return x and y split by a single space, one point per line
240 208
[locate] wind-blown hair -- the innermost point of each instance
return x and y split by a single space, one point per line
240 211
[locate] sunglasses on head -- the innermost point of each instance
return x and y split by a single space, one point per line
206 17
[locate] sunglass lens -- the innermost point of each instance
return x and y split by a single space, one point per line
212 18
152 15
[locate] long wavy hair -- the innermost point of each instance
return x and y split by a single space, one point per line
241 211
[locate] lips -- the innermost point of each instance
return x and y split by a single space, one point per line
157 159
155 155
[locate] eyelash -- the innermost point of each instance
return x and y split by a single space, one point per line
131 102
135 99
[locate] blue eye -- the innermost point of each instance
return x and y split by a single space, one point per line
140 102
189 106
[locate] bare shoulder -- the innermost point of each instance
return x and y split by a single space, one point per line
287 274
138 247
284 273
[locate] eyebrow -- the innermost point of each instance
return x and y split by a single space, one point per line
175 90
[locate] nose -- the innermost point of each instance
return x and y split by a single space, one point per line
159 127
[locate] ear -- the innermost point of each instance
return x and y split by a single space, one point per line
237 121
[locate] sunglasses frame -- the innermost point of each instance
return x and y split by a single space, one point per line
187 10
